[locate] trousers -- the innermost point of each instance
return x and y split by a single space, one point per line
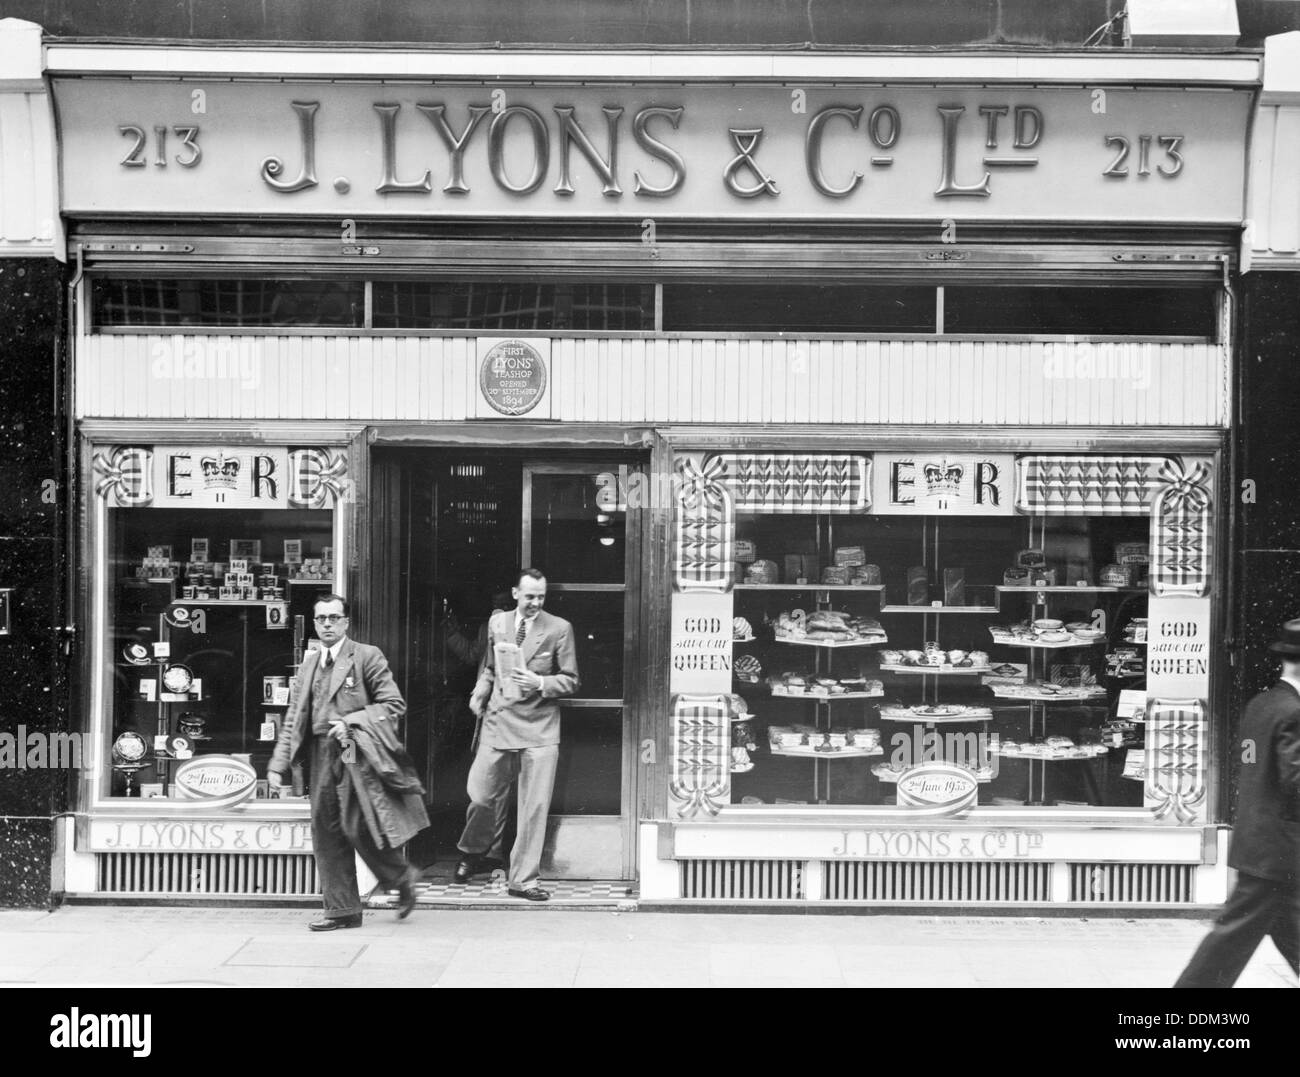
336 835
488 786
1256 907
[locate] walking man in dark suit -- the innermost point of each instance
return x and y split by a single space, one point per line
519 733
336 682
1266 837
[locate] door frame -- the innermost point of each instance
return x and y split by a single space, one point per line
567 443
632 589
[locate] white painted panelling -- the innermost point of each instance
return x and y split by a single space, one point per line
30 226
677 380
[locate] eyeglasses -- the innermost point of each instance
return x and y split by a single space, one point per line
329 618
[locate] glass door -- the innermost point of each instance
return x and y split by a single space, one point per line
577 530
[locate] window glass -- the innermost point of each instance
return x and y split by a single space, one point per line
507 305
1099 311
880 642
798 308
224 651
122 302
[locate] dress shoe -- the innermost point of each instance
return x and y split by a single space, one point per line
405 900
533 893
334 923
471 865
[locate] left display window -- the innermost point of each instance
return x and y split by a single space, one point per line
206 618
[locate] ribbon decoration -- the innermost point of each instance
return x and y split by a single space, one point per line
314 474
791 483
701 754
1182 530
127 473
704 541
1176 763
1067 485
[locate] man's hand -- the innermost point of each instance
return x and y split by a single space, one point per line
526 678
273 779
338 729
477 705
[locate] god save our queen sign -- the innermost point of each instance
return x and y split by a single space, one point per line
514 378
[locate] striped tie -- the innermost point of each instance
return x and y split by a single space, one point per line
522 632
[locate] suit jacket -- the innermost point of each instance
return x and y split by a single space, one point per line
360 682
1266 834
533 720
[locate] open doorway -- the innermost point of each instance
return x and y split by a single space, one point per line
450 530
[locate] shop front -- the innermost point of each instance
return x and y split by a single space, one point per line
868 422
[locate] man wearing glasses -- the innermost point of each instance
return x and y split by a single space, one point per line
337 684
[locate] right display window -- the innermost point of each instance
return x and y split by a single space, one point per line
866 646
1036 624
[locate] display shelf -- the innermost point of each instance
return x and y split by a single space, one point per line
310 583
1068 755
1073 643
909 714
828 697
936 671
832 644
809 587
940 609
817 752
1058 589
227 602
1066 695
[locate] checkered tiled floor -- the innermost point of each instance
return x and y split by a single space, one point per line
438 888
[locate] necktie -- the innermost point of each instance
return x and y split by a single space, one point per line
521 632
329 659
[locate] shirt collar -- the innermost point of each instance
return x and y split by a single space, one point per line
333 652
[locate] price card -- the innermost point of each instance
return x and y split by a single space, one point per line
268 731
149 689
160 742
1135 764
162 649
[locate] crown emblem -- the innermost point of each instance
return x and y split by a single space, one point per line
220 472
943 479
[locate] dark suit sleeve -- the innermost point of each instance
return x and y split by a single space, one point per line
1288 752
564 681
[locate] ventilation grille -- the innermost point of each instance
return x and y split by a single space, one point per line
282 874
1132 884
937 883
743 880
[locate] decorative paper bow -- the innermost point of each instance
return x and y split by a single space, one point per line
1178 787
127 473
315 473
1185 490
701 754
700 485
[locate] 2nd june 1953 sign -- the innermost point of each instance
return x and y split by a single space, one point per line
514 377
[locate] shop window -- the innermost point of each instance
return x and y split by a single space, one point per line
229 303
202 648
513 305
867 645
1110 311
798 308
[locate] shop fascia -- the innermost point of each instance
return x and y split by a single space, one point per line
1009 151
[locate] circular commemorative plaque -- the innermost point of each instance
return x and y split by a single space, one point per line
512 377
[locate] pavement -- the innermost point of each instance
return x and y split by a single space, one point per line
540 946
